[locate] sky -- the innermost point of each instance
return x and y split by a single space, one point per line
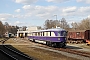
35 12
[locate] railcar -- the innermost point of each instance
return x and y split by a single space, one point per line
88 37
52 37
78 36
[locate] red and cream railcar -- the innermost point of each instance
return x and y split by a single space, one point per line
79 36
88 37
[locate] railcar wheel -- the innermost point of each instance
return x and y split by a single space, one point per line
33 40
61 45
47 43
88 44
54 44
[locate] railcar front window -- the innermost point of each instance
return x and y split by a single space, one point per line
62 33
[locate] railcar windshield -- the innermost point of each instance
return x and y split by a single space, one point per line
62 33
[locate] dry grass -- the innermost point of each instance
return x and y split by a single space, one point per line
1 40
41 54
81 45
37 53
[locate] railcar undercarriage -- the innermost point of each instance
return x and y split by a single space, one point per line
56 44
76 41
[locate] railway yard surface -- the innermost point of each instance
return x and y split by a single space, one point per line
79 47
42 52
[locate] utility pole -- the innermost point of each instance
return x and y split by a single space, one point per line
56 19
56 16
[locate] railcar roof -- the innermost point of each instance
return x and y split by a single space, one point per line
54 29
77 31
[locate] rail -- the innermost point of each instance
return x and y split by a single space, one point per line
11 52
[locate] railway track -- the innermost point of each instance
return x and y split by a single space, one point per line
85 54
13 53
69 50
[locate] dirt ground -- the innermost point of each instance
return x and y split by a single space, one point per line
80 47
83 45
39 54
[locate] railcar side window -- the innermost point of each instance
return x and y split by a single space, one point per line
33 34
59 33
36 34
48 34
45 33
52 34
41 33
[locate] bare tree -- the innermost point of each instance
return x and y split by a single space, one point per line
7 27
13 29
85 24
6 24
49 24
53 23
2 29
63 23
74 25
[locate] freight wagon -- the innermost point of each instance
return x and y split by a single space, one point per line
78 36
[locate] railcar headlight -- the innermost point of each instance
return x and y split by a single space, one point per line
58 38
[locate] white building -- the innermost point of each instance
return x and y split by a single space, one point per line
28 30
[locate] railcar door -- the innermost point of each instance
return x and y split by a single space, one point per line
89 34
86 35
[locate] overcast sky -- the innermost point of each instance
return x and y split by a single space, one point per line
35 12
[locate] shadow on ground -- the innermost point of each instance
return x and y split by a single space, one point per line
73 47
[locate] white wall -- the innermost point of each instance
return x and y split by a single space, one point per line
29 29
32 28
